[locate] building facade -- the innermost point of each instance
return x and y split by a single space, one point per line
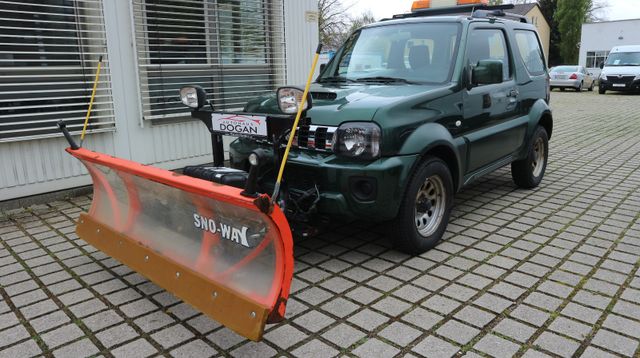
235 49
598 38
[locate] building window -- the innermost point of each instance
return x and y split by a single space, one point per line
596 58
48 56
232 48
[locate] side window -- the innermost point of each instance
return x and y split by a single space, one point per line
529 48
485 44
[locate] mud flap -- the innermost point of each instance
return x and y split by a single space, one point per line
202 241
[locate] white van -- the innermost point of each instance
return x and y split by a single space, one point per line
621 71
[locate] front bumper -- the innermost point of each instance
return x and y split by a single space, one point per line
348 189
565 83
633 85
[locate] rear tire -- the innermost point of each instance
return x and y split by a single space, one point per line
528 173
591 87
562 89
579 89
425 209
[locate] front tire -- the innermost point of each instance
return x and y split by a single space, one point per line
425 209
528 173
602 90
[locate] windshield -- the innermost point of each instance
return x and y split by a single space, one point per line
623 59
565 69
410 53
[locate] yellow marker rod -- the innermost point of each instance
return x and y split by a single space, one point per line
292 135
93 96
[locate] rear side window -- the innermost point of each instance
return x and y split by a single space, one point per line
530 51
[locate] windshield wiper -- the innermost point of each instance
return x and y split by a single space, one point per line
335 79
384 79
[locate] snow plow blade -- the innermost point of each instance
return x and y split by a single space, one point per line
204 242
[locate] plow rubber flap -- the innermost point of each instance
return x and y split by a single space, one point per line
202 241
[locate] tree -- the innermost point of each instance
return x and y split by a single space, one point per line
355 23
548 8
570 16
333 22
365 18
595 12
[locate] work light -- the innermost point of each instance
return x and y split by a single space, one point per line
290 98
193 96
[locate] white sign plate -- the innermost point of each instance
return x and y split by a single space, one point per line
239 124
619 85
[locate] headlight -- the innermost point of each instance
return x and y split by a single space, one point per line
358 140
603 76
289 99
193 96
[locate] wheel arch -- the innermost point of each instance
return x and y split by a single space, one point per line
433 139
449 157
540 114
546 121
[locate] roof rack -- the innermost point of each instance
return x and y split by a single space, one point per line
474 10
489 14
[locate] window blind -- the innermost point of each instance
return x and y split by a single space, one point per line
234 49
49 51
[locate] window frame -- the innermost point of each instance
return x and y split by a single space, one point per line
508 50
219 77
595 56
58 87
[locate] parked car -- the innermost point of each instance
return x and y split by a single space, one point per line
621 71
576 77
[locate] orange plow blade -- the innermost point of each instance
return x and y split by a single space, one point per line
202 241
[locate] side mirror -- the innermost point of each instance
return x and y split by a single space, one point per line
487 72
602 65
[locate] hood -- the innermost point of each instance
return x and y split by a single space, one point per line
334 104
621 70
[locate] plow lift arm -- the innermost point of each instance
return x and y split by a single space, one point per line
227 251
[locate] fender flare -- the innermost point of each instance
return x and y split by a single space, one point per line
435 138
539 114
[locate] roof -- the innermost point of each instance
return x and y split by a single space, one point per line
523 9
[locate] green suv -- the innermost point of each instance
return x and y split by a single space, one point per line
409 111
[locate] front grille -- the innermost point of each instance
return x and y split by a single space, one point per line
300 179
315 137
318 138
621 79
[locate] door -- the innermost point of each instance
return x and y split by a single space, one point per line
490 111
588 78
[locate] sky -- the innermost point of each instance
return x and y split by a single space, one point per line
617 10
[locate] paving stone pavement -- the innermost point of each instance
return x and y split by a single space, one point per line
548 272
